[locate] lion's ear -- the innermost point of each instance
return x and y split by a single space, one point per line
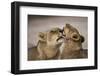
42 36
82 38
68 25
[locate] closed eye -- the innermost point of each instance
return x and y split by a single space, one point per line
64 34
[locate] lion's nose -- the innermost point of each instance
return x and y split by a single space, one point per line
75 36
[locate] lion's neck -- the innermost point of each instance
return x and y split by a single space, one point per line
51 51
70 51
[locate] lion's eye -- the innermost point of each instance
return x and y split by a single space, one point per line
63 33
52 31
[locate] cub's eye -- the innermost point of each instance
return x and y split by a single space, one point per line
52 31
63 34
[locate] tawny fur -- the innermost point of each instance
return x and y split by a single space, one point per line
72 46
47 47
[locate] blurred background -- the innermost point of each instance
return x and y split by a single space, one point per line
42 23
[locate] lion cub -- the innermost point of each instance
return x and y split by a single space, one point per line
72 45
49 43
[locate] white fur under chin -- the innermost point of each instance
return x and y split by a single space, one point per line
61 50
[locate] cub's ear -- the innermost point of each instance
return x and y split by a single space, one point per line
68 25
82 38
42 36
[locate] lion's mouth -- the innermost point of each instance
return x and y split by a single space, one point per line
60 39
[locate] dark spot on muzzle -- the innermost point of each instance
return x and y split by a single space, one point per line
59 38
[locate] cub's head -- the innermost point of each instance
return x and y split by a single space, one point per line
50 42
54 36
51 37
72 37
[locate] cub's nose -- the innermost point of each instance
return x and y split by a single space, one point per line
75 36
61 31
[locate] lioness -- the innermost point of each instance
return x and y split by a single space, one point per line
47 46
49 43
72 45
